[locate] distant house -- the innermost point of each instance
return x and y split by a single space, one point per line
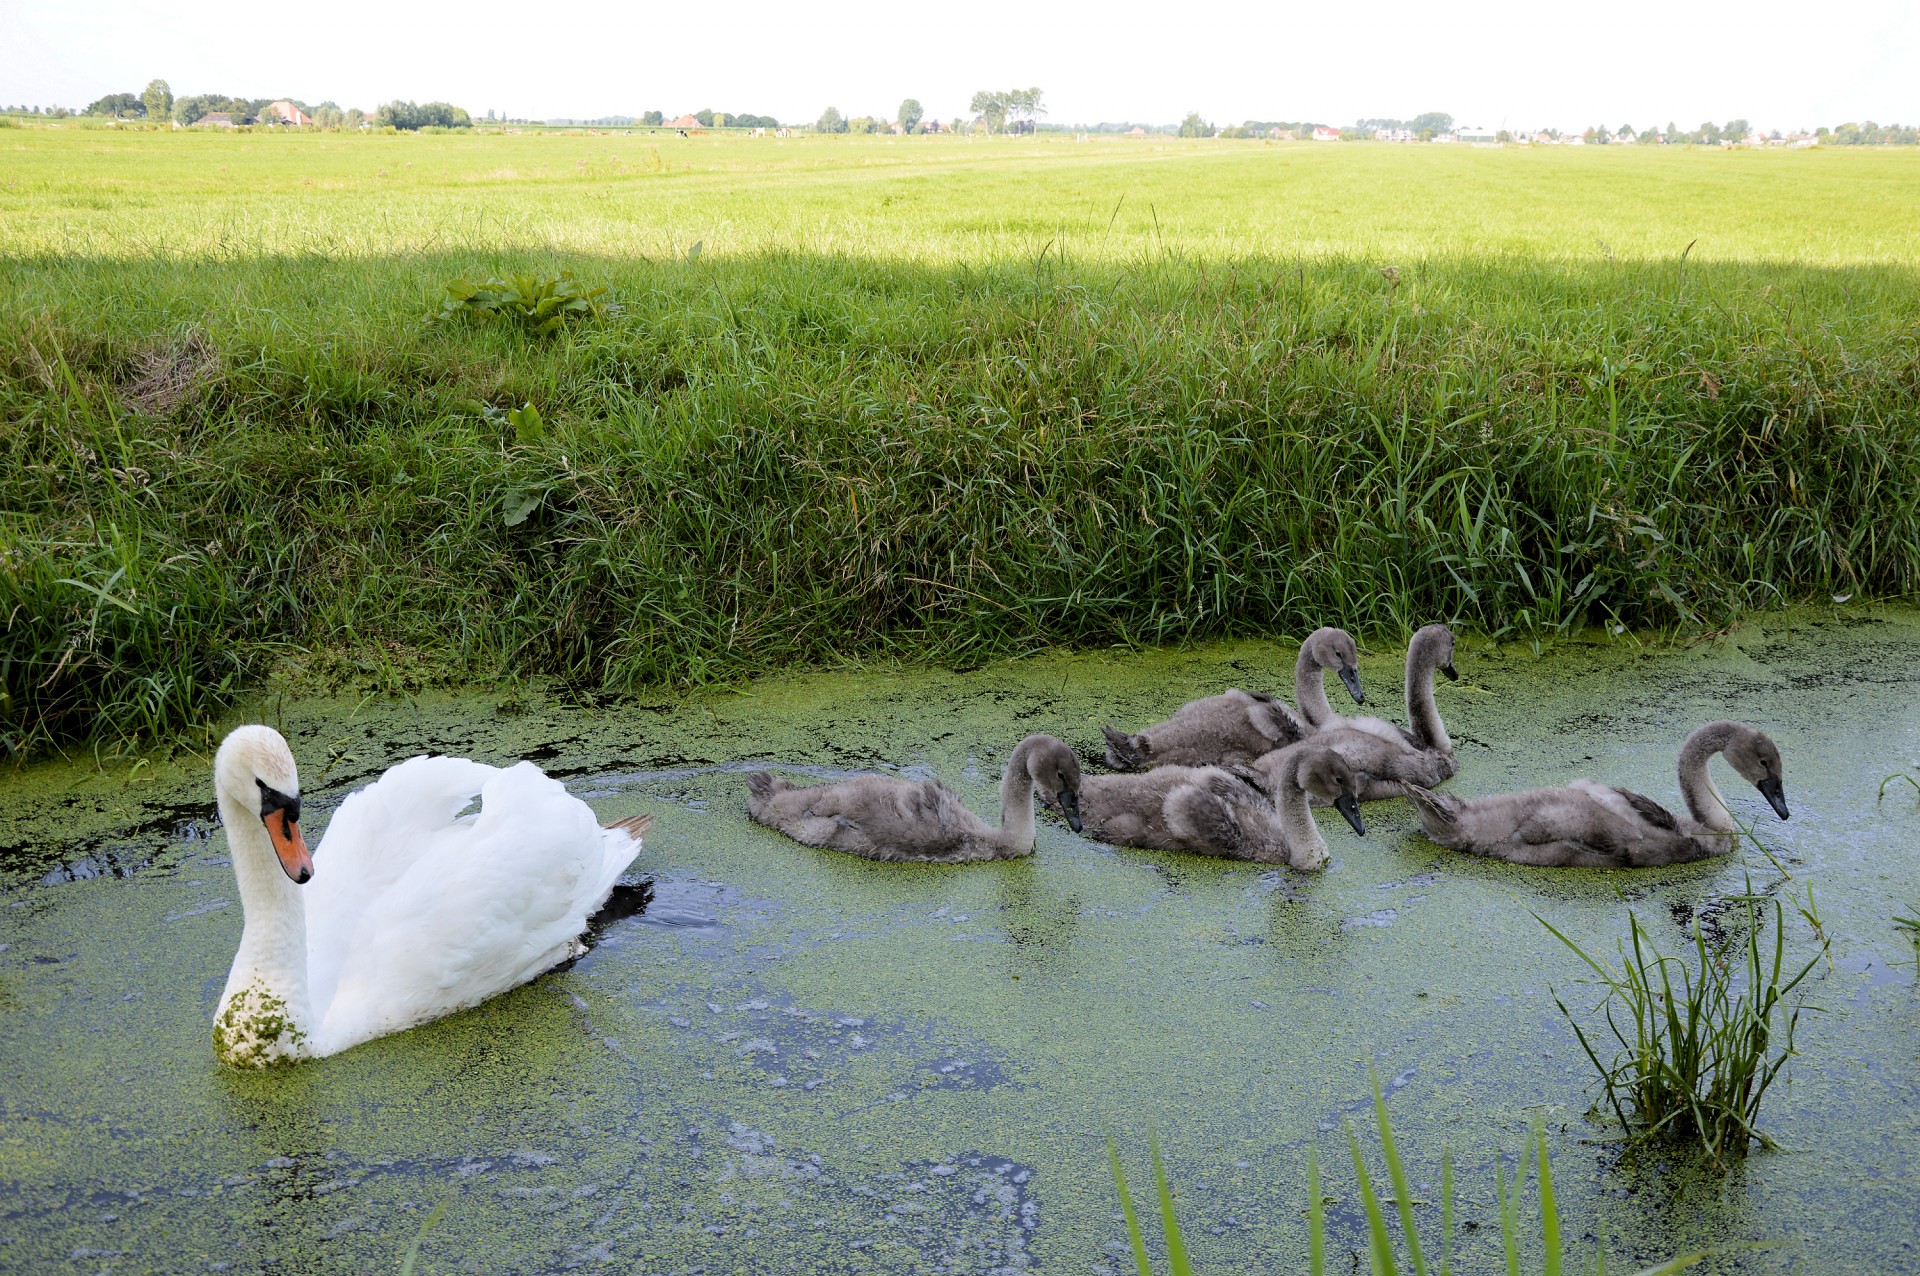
687 122
285 112
1393 135
1475 136
1136 131
1543 138
1322 133
217 119
1282 135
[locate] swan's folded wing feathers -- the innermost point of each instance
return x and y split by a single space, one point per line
478 913
1574 817
378 831
1650 811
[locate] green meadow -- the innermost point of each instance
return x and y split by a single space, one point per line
924 399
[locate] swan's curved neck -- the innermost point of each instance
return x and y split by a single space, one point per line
1016 802
1423 715
264 1014
1310 689
1304 843
1704 803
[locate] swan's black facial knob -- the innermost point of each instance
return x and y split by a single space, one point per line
1351 676
1775 793
1453 675
1346 805
1070 804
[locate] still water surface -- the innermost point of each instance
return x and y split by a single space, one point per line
788 1060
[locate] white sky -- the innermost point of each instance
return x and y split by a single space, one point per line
1512 63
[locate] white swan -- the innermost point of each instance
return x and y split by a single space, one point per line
414 910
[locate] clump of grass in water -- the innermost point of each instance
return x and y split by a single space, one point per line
1700 1044
1910 927
1383 1259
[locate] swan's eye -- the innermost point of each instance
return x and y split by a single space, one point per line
272 799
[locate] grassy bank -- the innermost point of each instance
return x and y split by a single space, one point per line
232 436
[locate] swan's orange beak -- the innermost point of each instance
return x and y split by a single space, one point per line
289 845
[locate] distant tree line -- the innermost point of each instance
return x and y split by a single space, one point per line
408 117
1008 110
1869 134
1423 127
727 119
157 102
910 117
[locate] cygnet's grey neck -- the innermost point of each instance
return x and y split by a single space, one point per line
1016 799
1303 835
1310 688
1704 803
1423 714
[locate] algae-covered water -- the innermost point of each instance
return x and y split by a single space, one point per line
795 1061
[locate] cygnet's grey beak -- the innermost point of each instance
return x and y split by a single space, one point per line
1775 793
1453 675
1351 677
1070 803
1351 809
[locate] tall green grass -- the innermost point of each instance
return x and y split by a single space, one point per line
772 455
1384 1258
1700 1044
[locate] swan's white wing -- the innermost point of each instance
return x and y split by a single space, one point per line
379 831
487 903
376 835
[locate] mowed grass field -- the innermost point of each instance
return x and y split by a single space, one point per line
918 398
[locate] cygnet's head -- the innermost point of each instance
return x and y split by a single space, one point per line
1055 769
254 771
1436 644
1334 649
1757 759
1324 774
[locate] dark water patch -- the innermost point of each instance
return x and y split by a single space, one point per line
135 846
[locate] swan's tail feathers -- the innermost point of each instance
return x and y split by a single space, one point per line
1276 721
762 788
634 826
620 844
1439 812
1125 752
